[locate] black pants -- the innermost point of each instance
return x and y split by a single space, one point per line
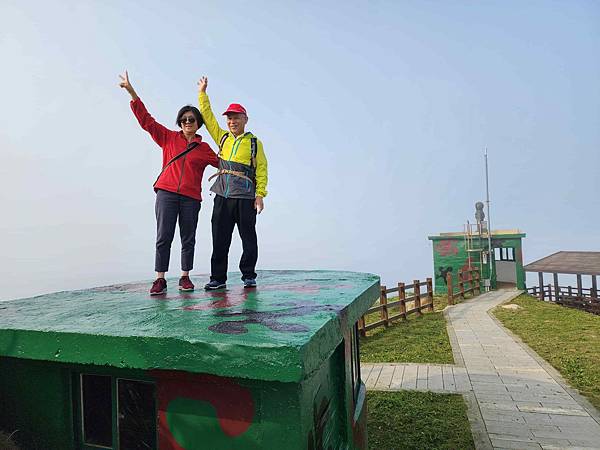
169 207
228 212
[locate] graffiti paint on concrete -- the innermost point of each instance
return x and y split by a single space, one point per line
181 396
446 248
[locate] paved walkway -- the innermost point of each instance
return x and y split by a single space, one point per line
517 400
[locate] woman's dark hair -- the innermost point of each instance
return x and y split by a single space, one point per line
194 111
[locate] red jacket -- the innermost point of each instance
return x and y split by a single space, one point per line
184 176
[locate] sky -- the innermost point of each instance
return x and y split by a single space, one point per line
374 118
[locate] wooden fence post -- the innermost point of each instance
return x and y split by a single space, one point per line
430 293
417 293
402 298
549 292
461 285
478 281
384 309
361 326
450 288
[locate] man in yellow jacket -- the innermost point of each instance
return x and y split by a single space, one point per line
240 187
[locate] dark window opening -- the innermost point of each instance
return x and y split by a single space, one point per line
116 413
137 419
96 402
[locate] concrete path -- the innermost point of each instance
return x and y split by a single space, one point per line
516 400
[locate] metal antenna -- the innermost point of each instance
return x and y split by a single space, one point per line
487 196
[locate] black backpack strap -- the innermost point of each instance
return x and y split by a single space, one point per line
253 151
222 142
191 146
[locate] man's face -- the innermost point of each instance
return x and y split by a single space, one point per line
236 122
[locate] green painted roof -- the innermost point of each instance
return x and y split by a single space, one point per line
282 330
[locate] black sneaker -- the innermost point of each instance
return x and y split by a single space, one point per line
214 285
250 283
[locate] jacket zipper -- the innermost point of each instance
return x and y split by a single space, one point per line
181 174
231 155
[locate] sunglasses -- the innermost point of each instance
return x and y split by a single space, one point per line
189 119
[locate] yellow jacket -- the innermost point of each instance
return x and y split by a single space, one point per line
235 149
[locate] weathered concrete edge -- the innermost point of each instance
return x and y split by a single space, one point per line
456 351
481 439
555 374
407 364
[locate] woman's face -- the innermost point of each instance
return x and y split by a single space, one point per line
188 123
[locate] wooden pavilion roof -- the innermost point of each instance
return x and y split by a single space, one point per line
583 263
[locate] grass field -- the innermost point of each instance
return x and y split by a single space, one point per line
566 338
418 339
417 420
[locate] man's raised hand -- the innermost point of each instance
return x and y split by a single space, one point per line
202 84
125 84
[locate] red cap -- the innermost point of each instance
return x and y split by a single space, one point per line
235 108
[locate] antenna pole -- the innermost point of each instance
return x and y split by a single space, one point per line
487 195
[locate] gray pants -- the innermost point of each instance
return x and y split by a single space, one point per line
169 207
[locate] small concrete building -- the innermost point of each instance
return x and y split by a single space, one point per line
454 251
276 367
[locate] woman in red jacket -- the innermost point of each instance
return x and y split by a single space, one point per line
178 187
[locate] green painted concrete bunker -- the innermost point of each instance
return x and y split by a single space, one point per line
112 367
454 251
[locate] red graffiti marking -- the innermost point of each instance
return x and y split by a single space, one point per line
233 403
223 300
235 297
446 248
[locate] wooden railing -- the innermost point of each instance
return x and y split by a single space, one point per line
580 298
420 301
468 278
550 293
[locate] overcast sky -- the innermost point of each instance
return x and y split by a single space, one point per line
374 117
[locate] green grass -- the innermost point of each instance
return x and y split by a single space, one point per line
417 420
567 338
418 339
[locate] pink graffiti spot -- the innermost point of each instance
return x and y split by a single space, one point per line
446 248
233 403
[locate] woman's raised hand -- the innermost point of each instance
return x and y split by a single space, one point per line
202 84
125 84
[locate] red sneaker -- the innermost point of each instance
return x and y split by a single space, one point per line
185 284
159 287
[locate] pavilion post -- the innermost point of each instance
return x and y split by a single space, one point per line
594 287
541 283
579 286
556 287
